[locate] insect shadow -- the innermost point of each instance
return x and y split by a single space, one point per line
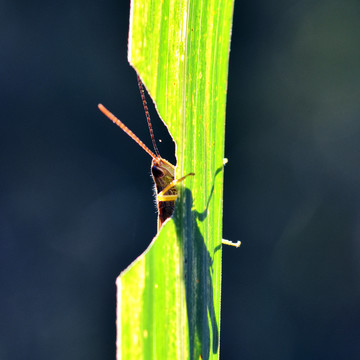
198 276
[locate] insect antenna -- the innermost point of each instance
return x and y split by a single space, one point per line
123 127
141 88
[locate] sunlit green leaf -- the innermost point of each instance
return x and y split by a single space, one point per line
169 298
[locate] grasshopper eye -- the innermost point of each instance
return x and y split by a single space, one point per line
157 172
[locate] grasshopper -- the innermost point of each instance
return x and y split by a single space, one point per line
162 171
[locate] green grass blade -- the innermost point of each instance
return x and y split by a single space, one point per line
169 298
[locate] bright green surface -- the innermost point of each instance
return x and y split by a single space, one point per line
169 298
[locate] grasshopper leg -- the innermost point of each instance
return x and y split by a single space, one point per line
231 243
162 197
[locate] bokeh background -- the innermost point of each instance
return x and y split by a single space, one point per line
76 202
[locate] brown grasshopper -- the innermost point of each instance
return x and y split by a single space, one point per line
163 172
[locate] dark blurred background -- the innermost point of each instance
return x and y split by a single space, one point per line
76 202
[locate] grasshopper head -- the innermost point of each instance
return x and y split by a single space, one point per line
162 172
